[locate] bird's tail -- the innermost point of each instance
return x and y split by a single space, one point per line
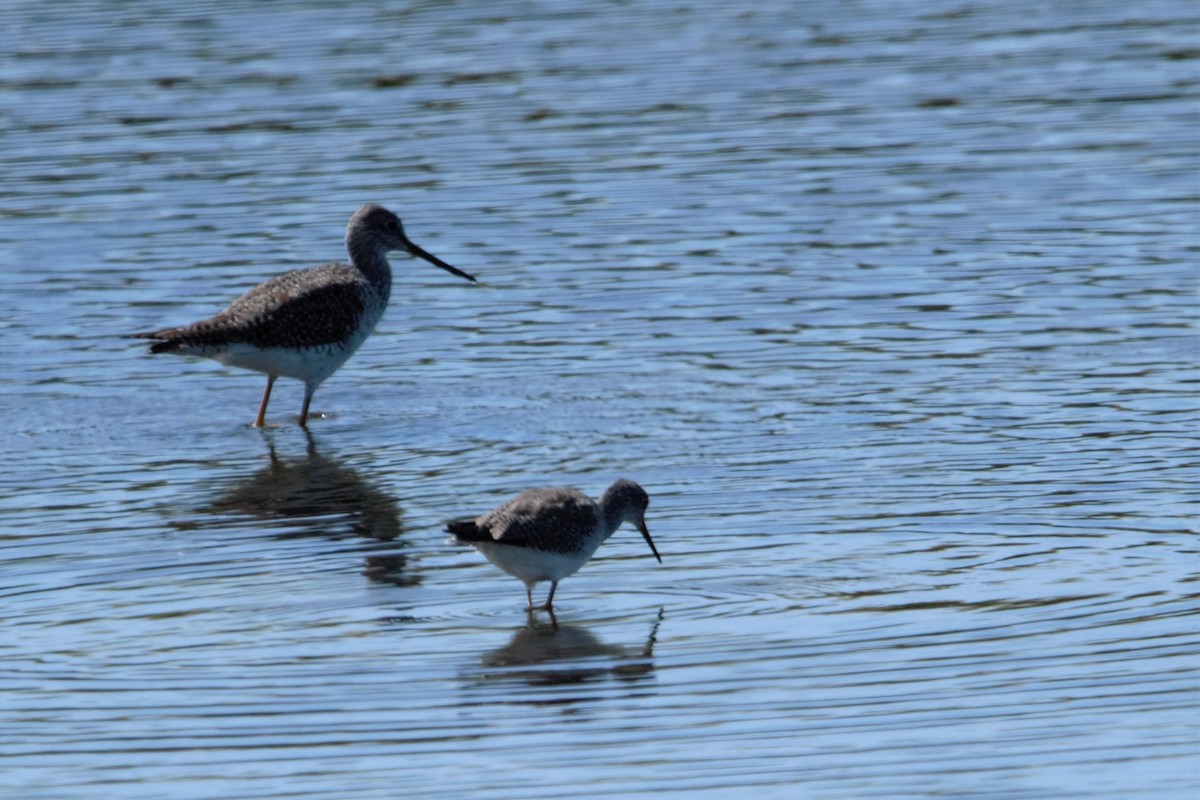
467 531
166 341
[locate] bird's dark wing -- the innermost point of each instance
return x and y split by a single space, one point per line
303 308
546 519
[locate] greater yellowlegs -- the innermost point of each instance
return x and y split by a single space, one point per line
548 534
304 324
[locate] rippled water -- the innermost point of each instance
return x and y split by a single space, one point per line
891 308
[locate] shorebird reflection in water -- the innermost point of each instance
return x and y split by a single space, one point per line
310 495
304 324
548 534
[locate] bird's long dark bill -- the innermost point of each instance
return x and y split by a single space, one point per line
437 262
649 541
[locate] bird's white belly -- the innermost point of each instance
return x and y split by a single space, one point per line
531 566
309 364
312 364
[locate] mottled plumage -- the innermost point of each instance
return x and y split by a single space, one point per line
548 534
304 324
313 307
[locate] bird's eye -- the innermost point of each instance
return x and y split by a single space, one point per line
392 225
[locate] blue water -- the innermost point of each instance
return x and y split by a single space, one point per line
891 308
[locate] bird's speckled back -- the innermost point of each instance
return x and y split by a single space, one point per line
546 519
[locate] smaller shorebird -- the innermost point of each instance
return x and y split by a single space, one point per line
304 324
548 534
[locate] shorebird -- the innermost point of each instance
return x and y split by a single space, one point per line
548 534
304 324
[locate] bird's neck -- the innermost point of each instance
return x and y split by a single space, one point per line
613 517
373 263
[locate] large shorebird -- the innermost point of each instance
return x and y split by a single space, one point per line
304 324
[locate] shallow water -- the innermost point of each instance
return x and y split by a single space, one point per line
890 308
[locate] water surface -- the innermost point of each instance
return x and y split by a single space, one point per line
891 309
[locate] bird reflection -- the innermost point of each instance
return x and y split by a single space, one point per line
329 499
546 654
